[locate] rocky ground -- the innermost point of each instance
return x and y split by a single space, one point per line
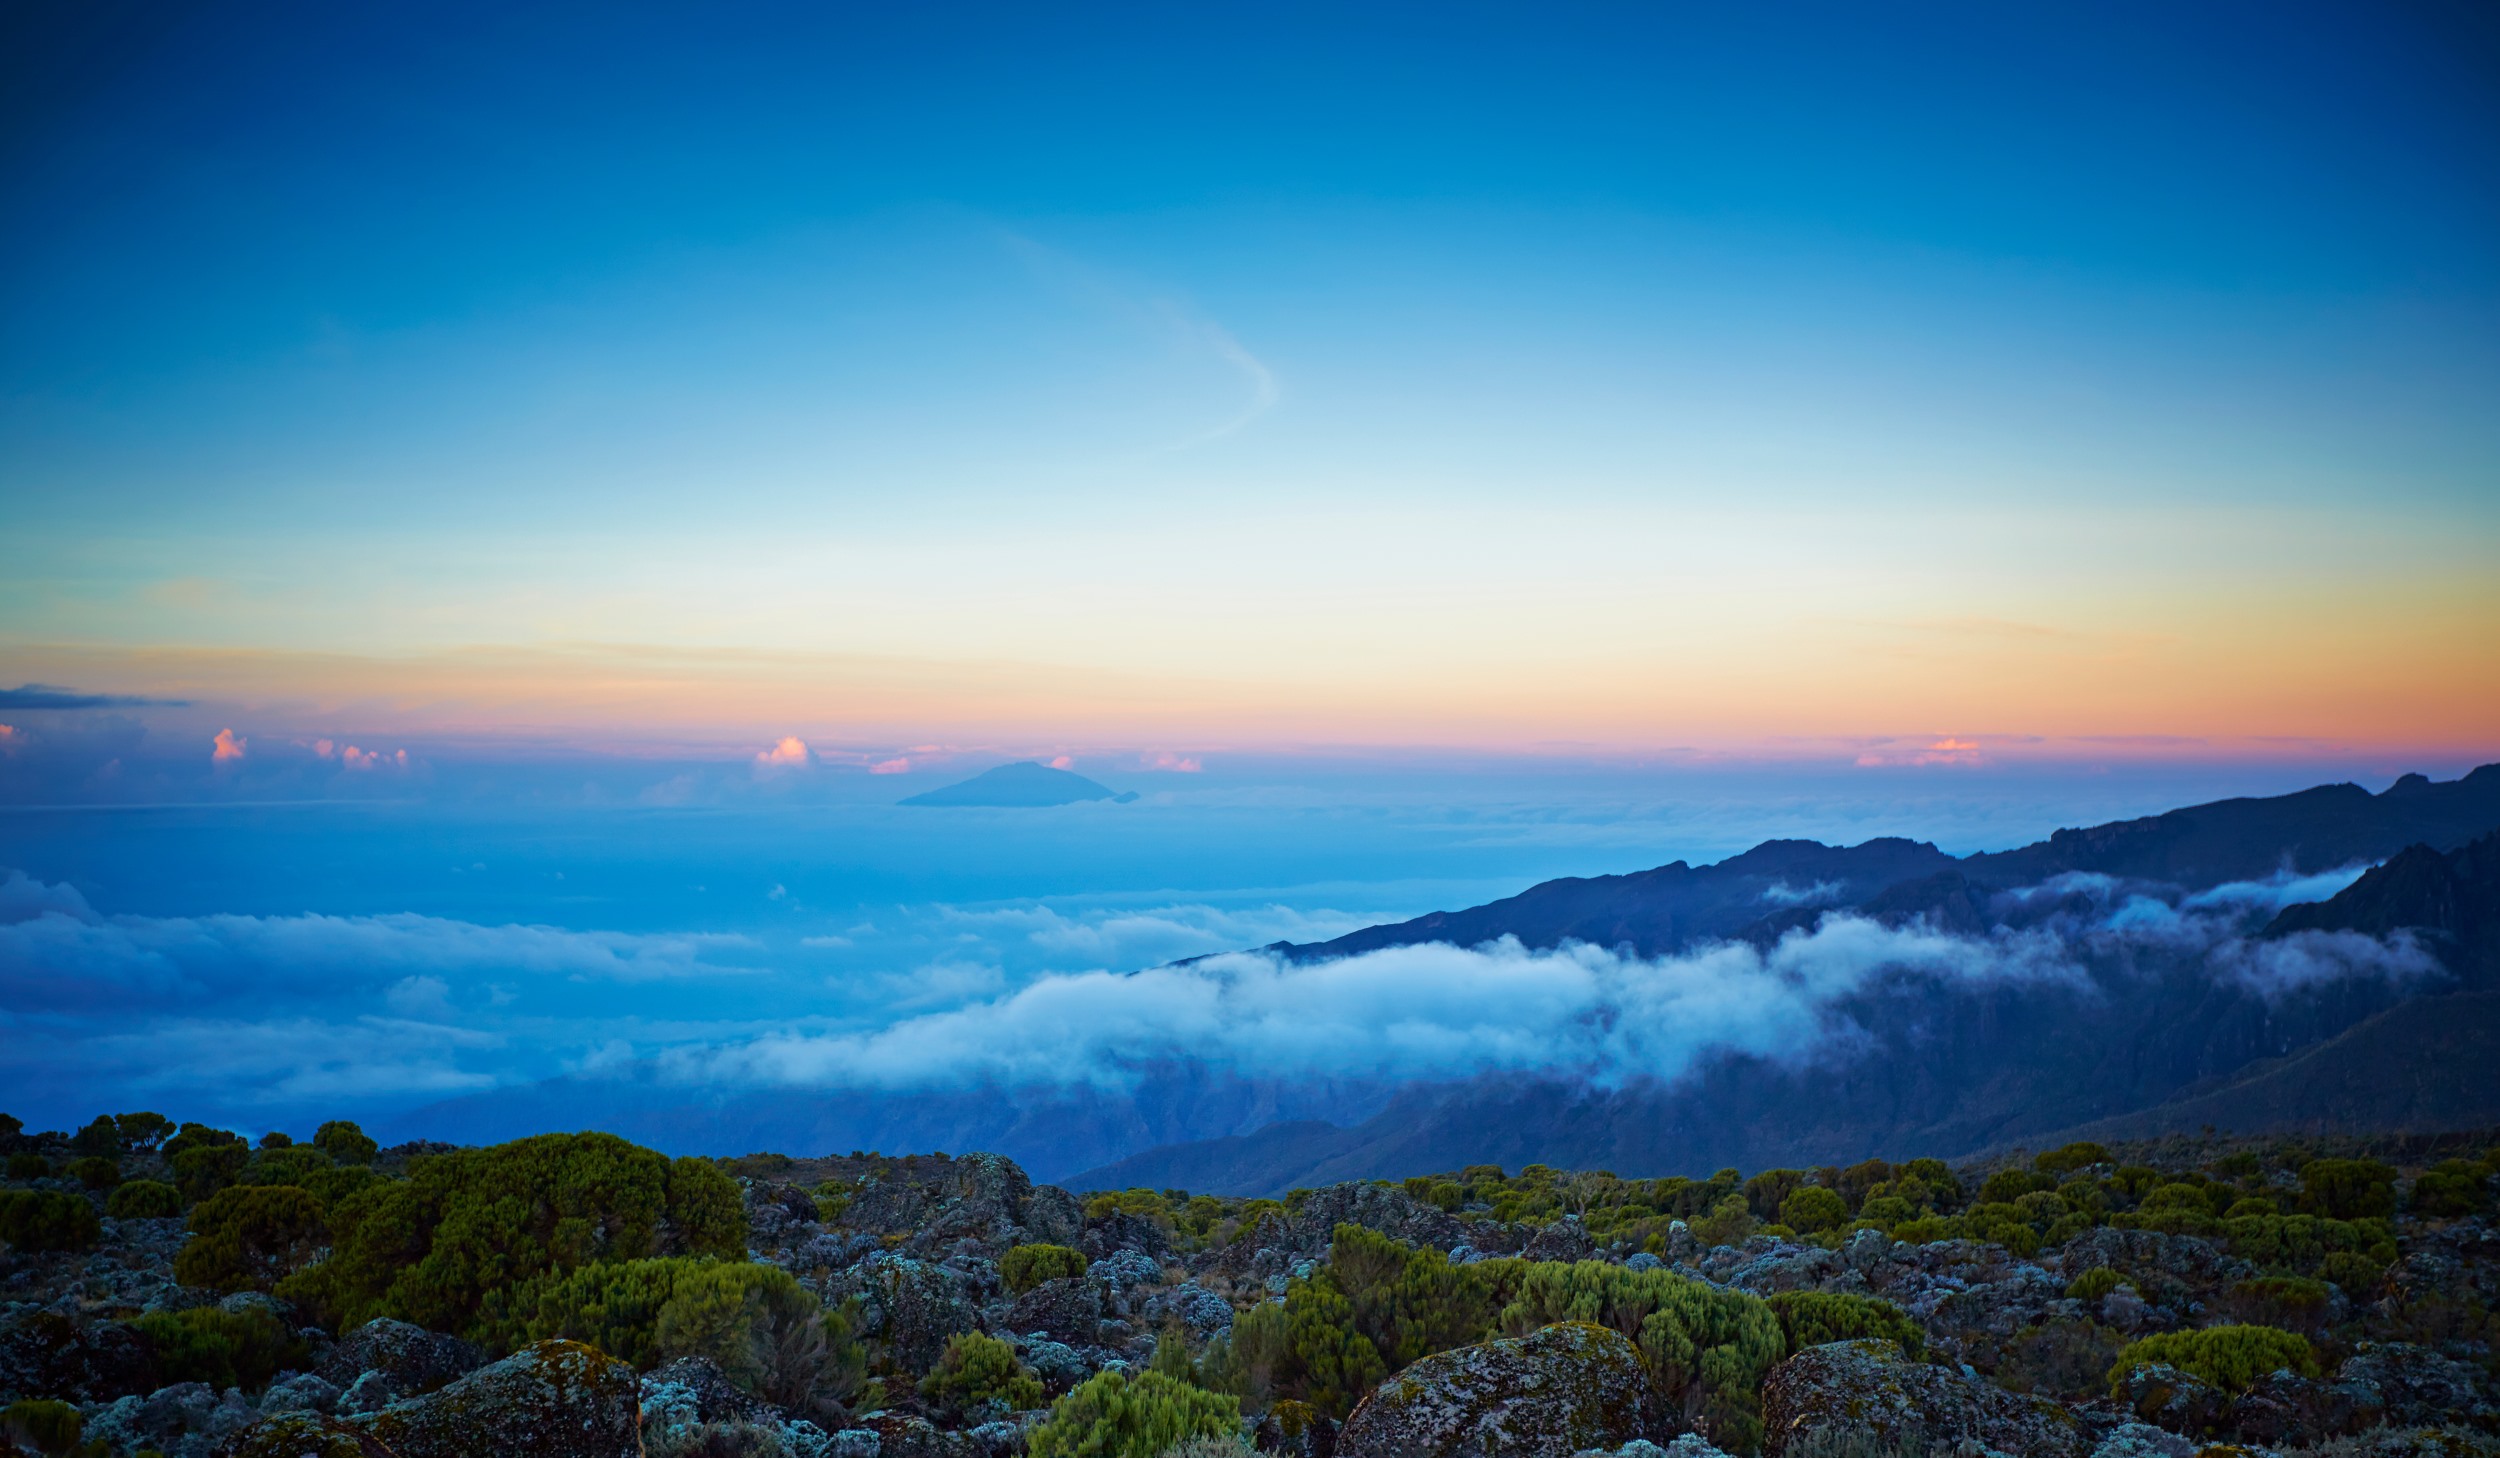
2016 1354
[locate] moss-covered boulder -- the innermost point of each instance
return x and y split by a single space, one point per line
1550 1394
301 1435
1871 1388
557 1399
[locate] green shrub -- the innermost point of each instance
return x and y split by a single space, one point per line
2177 1195
47 1220
1024 1267
2008 1185
768 1333
2095 1283
1811 1318
277 1139
1766 1192
46 1427
95 1172
429 1248
203 1169
249 1237
26 1164
2248 1205
2358 1272
2304 1243
2453 1187
1814 1208
977 1370
2067 1158
2229 1357
1706 1349
613 1305
1936 1177
1887 1211
2134 1179
219 1347
345 1143
1111 1416
1726 1223
2347 1189
194 1136
144 1200
2292 1302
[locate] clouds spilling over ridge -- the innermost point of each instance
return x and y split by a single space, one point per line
281 1011
1434 1010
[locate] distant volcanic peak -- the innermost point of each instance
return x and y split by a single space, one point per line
1023 785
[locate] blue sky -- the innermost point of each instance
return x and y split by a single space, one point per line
977 374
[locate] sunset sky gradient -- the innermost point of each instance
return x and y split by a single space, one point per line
1587 380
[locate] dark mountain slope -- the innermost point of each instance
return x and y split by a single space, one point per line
1918 1063
2420 1067
1663 909
1785 883
2237 840
2452 901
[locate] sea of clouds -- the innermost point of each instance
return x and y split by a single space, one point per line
281 1013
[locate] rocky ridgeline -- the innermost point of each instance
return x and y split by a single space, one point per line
1129 1326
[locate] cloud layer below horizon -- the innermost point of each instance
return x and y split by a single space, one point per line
280 1013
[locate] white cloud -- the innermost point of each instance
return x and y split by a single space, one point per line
1430 1010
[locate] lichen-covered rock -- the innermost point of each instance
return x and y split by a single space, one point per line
1564 1240
301 1435
2418 1387
557 1399
1120 1231
2284 1409
2166 1397
46 1354
1068 1309
299 1392
1549 1394
910 1306
186 1420
1385 1208
369 1393
1203 1312
1872 1387
2142 1440
1126 1268
1058 1365
904 1436
695 1390
412 1360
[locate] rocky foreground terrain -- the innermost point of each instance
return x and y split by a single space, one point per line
179 1293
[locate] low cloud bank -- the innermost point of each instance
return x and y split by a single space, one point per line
283 1012
1436 1011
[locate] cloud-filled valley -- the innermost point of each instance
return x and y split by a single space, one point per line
274 1013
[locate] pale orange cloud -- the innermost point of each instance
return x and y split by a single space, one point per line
890 767
229 747
9 740
1064 761
1165 760
369 759
790 753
